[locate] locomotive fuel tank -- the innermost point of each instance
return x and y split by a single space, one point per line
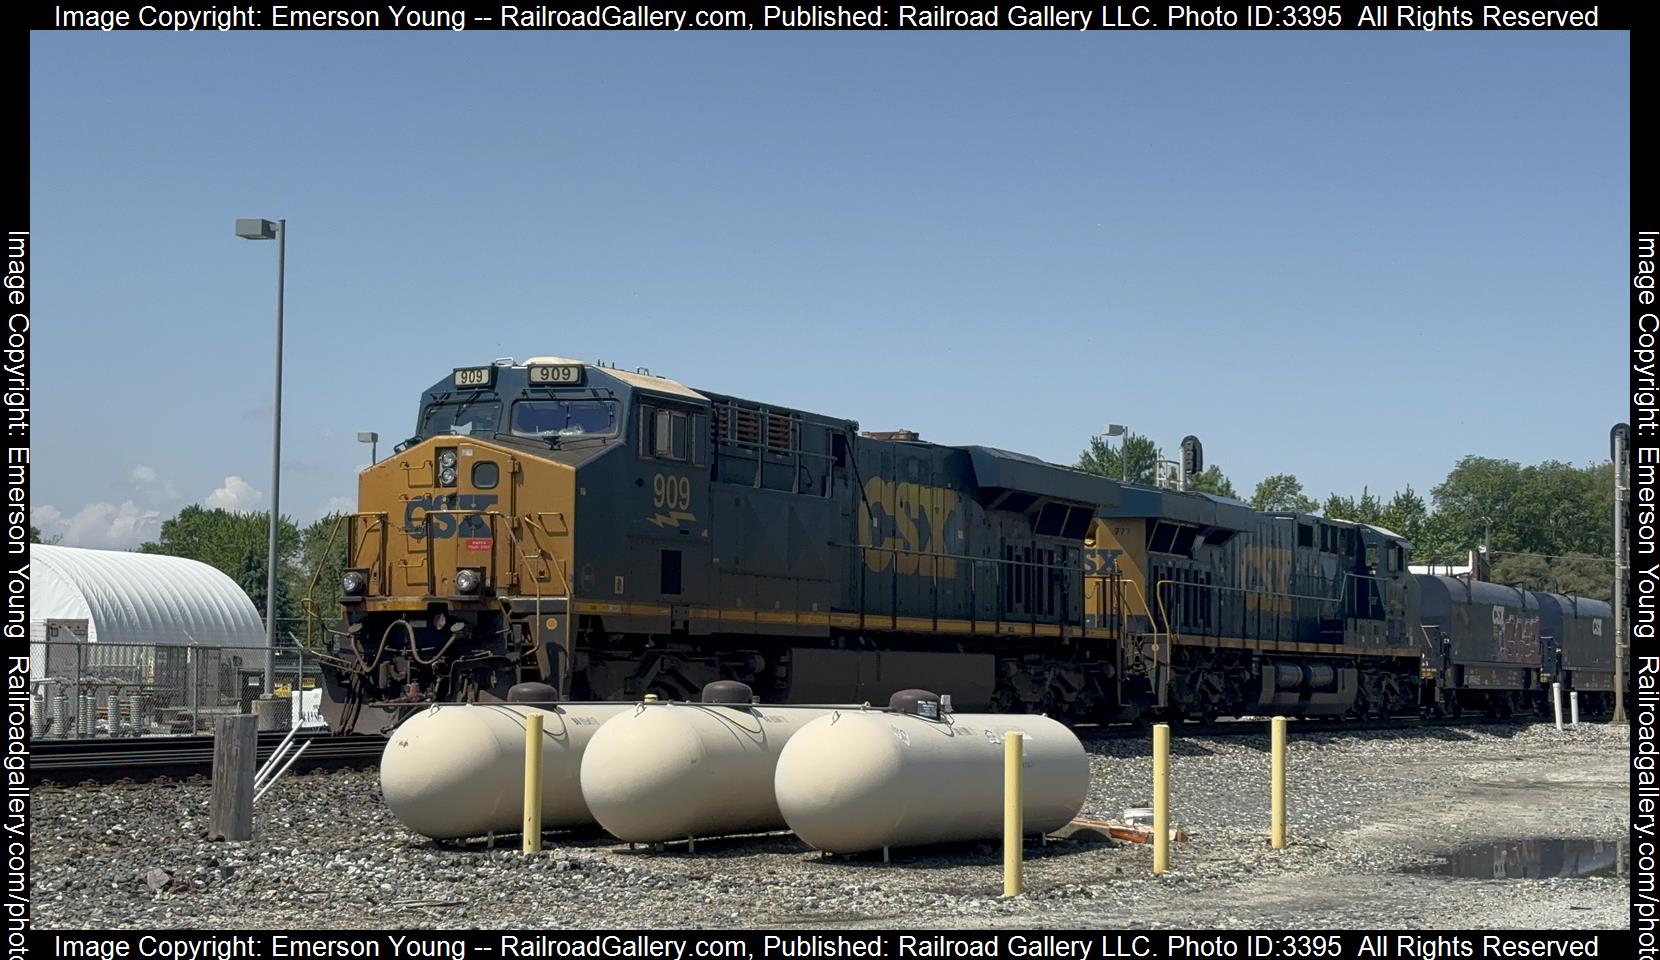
859 780
457 770
672 771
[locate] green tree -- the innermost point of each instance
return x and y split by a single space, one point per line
1281 493
1548 524
1211 480
1407 514
235 544
1365 510
34 533
1103 458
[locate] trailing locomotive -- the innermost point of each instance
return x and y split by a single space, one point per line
614 534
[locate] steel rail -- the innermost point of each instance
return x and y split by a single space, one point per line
148 757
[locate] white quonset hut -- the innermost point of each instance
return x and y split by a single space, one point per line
107 618
139 598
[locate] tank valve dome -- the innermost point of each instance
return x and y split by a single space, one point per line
732 692
919 703
532 693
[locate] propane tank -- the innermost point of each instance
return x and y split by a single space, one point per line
457 770
674 771
861 780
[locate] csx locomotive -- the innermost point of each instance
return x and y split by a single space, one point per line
614 534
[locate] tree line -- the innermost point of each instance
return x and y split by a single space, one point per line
1546 526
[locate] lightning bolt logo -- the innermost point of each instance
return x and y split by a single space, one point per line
673 519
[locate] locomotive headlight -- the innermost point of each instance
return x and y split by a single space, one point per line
469 579
446 467
354 583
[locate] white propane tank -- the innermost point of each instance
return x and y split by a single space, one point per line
457 770
677 771
860 780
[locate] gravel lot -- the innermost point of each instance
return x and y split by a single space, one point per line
1364 807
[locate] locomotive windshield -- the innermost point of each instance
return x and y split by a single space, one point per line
466 417
564 418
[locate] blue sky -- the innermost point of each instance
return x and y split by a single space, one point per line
1354 257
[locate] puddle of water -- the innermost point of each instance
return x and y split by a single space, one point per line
1533 859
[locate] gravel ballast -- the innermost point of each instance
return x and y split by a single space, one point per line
1365 808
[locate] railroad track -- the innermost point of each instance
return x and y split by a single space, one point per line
1258 726
149 757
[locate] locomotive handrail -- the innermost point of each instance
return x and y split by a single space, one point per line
1164 613
308 604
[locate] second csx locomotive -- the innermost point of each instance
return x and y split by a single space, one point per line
614 534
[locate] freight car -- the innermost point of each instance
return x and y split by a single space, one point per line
1576 637
614 534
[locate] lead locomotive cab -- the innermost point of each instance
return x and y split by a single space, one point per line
459 574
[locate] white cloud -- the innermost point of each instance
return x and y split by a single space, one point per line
150 488
98 524
235 494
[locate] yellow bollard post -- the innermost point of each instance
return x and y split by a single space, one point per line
1014 813
533 782
1161 798
1277 797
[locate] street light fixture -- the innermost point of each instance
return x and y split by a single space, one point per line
371 438
1119 430
258 229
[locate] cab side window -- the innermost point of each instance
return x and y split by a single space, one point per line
665 434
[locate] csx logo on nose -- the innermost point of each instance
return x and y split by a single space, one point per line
419 510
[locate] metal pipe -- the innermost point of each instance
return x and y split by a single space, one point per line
1277 788
1573 705
278 775
533 783
1556 704
1161 798
1014 813
276 757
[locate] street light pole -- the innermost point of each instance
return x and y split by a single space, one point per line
258 229
1123 433
1618 438
373 440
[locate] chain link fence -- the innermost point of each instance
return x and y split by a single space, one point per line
81 689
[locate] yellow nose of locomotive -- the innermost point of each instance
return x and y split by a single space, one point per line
457 574
446 521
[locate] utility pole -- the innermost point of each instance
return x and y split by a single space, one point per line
1618 438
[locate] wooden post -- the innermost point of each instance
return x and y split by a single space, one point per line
232 815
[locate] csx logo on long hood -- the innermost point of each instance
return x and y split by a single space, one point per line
418 510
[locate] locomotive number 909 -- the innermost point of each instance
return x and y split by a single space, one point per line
671 493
